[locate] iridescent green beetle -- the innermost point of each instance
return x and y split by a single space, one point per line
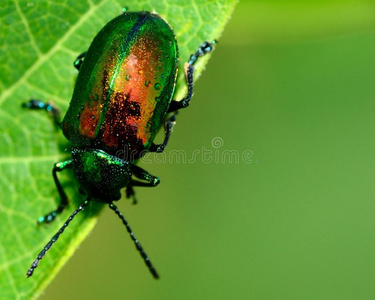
122 95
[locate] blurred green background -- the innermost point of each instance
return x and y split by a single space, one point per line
291 83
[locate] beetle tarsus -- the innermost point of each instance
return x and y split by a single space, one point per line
47 106
205 48
79 60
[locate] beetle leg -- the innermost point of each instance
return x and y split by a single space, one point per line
47 106
143 175
130 193
176 105
58 167
205 48
79 60
168 127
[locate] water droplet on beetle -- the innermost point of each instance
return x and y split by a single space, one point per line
157 86
127 77
147 83
140 72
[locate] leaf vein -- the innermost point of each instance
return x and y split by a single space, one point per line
45 57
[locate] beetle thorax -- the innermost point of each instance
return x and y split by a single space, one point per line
100 175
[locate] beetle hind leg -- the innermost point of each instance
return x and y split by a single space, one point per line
49 107
205 48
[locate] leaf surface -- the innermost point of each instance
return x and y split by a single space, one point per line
39 42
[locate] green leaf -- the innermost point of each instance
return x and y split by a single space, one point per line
39 42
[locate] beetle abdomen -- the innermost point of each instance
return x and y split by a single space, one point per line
124 86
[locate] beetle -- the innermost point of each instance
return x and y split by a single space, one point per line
123 94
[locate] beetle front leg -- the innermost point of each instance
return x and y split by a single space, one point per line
205 48
58 167
141 174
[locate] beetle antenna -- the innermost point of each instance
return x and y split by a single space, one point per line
54 238
136 242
